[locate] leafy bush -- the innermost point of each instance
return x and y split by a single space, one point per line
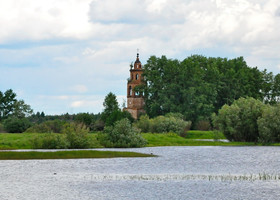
52 126
238 122
121 135
269 125
144 123
50 141
16 125
76 135
164 124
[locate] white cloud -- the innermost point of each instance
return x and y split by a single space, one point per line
43 19
77 51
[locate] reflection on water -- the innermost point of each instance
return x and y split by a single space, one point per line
178 173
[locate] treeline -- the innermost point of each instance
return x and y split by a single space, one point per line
199 86
16 116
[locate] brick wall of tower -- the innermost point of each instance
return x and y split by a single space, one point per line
135 102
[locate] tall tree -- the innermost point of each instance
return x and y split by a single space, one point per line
197 86
111 106
10 106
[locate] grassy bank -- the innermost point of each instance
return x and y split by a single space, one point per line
14 155
171 139
23 140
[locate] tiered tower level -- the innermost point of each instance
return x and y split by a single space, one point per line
135 101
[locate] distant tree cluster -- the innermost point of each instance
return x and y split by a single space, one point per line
199 86
44 122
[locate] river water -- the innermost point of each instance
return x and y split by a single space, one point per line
178 173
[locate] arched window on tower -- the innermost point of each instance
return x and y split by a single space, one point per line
129 91
137 77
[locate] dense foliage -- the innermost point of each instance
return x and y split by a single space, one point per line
74 136
269 124
171 122
51 126
199 86
10 106
239 121
121 135
112 112
16 125
92 121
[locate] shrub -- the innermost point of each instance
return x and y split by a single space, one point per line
269 125
76 135
172 122
144 123
52 126
50 141
16 125
39 128
238 122
121 135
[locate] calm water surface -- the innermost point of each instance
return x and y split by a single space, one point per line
178 173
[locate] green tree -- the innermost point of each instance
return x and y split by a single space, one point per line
84 118
112 112
10 106
269 125
16 125
197 86
238 121
110 105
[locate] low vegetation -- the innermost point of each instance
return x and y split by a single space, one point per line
193 138
121 135
12 155
171 122
172 139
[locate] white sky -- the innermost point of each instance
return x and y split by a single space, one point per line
66 55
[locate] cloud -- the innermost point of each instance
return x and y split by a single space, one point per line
41 20
75 52
137 11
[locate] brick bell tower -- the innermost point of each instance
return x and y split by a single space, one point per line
135 101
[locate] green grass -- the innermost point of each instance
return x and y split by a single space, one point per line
23 140
16 140
14 155
171 139
205 135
